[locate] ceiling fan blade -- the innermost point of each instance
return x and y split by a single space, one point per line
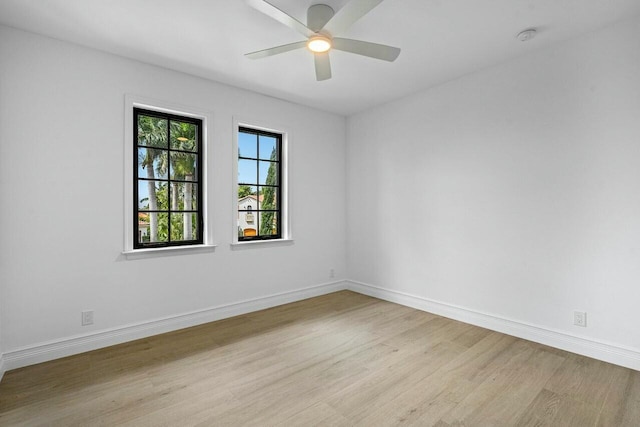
372 50
350 13
323 66
275 50
280 16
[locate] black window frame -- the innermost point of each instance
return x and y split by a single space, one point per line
278 186
198 180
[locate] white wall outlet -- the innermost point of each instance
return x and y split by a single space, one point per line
332 273
87 317
580 318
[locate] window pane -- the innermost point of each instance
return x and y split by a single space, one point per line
247 219
248 230
244 191
247 145
184 166
268 148
268 223
247 171
268 198
184 196
268 173
184 226
143 227
152 131
152 195
152 163
184 136
157 230
248 203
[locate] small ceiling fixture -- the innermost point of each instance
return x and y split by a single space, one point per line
526 35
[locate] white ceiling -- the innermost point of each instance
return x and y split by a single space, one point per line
440 40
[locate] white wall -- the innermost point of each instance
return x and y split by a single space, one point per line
61 180
512 192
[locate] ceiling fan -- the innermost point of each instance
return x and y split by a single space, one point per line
322 24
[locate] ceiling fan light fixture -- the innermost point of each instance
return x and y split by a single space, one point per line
319 44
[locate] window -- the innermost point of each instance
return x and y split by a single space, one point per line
167 184
259 184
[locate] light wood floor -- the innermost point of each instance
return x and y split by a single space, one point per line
341 359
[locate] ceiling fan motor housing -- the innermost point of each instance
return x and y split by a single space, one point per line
318 15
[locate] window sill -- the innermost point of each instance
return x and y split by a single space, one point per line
170 251
260 243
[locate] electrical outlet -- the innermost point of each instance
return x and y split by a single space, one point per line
332 273
87 317
580 318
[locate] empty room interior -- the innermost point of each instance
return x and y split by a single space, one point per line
320 212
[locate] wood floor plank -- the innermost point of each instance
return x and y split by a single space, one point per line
319 414
389 379
622 404
582 379
575 413
523 376
188 406
427 401
342 359
542 411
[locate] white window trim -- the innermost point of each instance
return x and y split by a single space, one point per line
136 101
286 237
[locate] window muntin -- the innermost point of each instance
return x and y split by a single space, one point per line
259 185
167 179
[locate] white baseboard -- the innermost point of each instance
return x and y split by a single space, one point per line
2 369
79 344
43 352
627 357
